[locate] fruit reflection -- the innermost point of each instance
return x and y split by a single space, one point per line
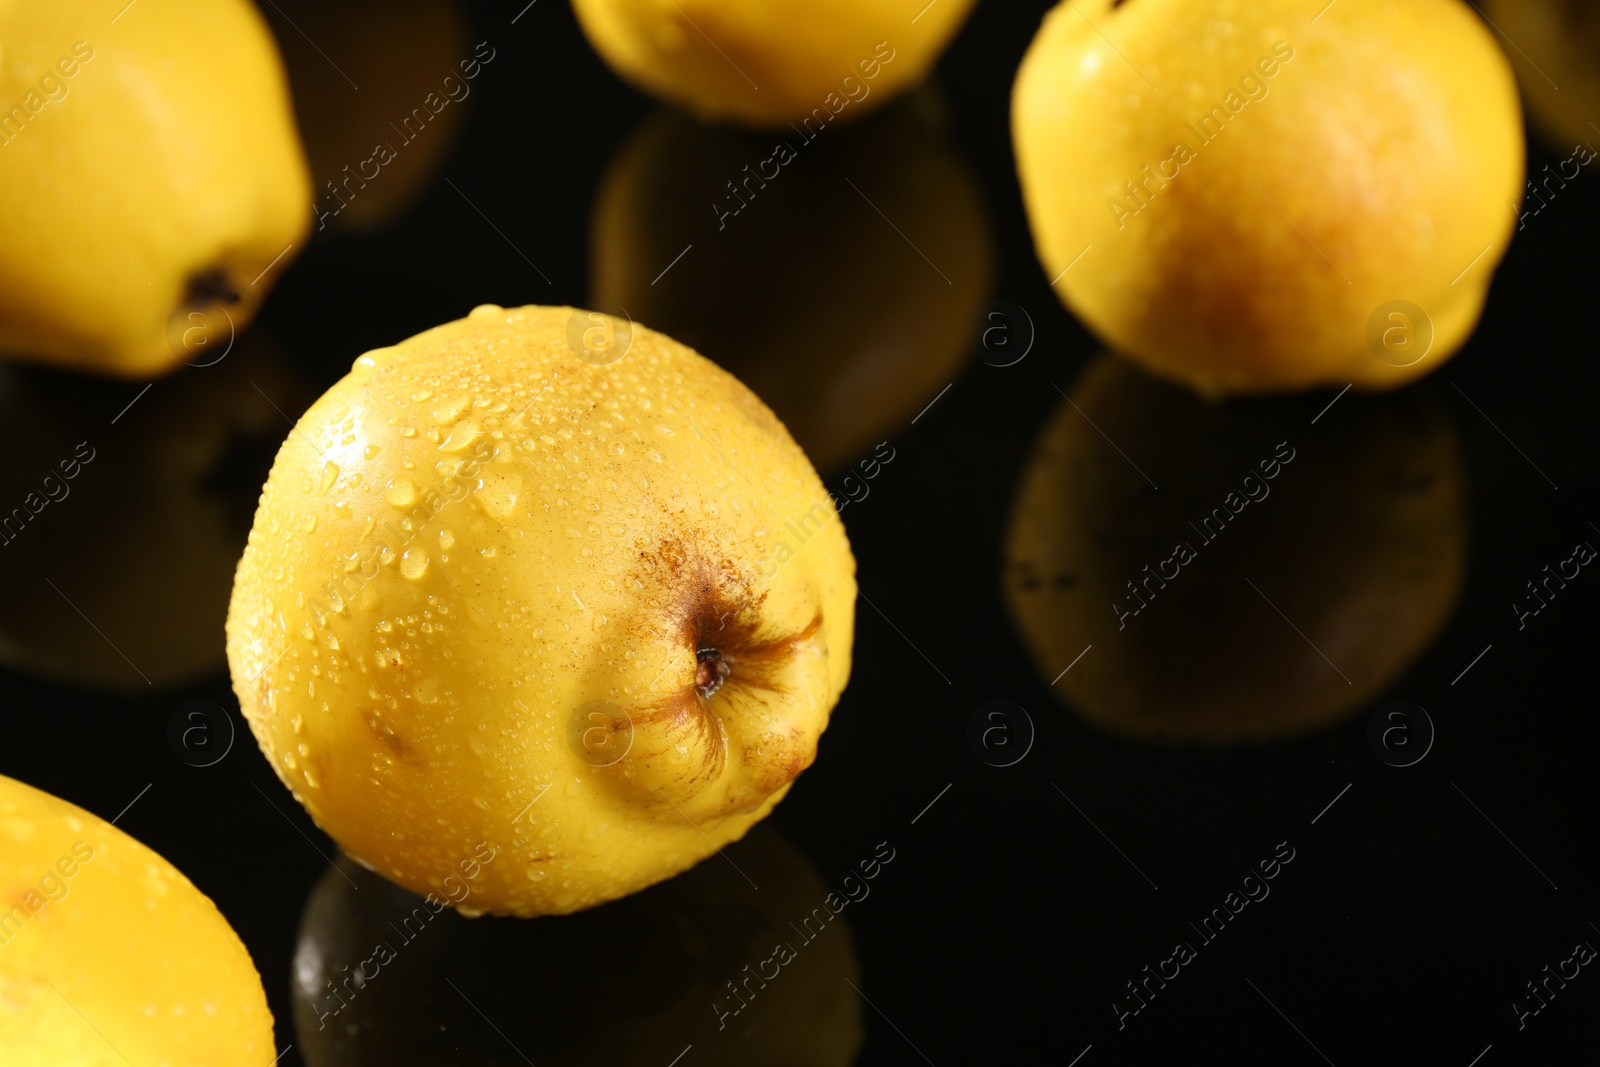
373 152
381 979
1282 575
118 539
795 282
1557 44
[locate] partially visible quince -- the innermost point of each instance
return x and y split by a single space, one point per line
151 172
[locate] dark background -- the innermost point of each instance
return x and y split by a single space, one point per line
1008 923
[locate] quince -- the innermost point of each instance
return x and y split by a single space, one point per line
109 955
1255 197
767 63
153 173
587 602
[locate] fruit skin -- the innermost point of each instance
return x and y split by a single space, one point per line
1561 38
1399 164
177 478
398 53
183 159
766 63
897 330
131 947
552 986
577 533
1209 659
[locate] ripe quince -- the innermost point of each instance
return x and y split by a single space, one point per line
1243 197
154 178
767 63
109 955
579 597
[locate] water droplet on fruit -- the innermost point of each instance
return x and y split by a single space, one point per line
414 564
370 452
499 493
402 492
330 474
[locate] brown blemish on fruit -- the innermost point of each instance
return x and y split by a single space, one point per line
391 740
716 613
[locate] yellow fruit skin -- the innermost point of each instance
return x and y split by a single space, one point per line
898 329
1557 60
173 153
475 535
1371 171
766 63
123 960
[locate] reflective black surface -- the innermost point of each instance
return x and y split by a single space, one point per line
1365 904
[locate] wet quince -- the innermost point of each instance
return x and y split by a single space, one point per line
1242 196
109 955
767 63
586 603
153 175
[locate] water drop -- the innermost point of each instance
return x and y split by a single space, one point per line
414 564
